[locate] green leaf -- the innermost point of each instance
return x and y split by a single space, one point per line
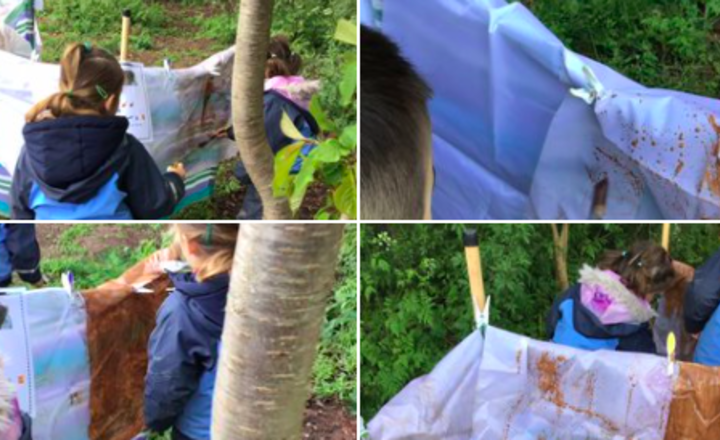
290 130
348 84
348 138
333 173
346 32
345 197
303 179
320 115
284 161
328 151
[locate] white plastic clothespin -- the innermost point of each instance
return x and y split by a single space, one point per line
482 317
593 89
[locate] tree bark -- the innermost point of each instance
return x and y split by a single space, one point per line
254 21
282 278
560 242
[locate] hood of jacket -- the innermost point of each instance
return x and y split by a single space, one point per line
205 300
71 158
603 293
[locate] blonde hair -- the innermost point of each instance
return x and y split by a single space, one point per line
217 243
88 77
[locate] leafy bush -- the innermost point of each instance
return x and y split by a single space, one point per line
669 44
333 161
335 370
415 298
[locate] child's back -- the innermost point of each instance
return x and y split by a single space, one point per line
78 161
184 350
184 347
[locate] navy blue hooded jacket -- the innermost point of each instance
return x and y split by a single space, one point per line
274 106
702 311
89 167
587 332
183 356
19 252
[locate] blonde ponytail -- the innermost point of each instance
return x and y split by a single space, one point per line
217 243
88 77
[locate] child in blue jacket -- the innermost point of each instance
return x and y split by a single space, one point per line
19 252
79 161
285 92
610 307
701 305
184 346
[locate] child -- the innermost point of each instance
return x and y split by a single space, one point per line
184 346
397 178
79 161
610 306
14 425
701 311
19 252
286 92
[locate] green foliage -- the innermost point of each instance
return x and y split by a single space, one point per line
335 370
415 298
670 44
333 160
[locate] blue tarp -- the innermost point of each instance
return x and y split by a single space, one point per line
524 128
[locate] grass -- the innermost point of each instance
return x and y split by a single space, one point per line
187 32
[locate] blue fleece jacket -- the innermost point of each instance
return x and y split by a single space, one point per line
89 167
183 356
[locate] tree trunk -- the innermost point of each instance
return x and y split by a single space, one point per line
253 34
560 242
282 278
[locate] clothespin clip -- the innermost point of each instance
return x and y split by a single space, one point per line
481 306
68 282
671 346
592 90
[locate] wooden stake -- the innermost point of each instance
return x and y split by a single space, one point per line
560 243
474 265
666 236
125 39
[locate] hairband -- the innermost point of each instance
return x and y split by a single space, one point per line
88 46
69 93
103 94
208 235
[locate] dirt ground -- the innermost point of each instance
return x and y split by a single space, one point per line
324 419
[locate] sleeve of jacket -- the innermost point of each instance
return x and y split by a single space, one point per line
702 297
177 354
639 342
151 195
20 192
24 251
554 315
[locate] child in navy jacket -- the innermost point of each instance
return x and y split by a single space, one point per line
701 310
610 306
285 92
184 347
79 161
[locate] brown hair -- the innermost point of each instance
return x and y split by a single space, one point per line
88 77
217 243
644 268
281 60
395 130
